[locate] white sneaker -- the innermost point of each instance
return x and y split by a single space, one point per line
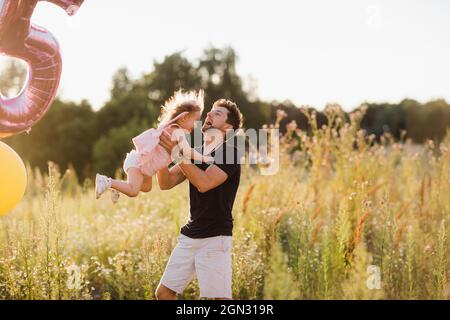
115 195
102 183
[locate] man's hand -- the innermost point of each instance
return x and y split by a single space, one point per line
165 140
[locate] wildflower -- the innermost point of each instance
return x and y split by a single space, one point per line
333 108
74 278
297 155
291 126
367 203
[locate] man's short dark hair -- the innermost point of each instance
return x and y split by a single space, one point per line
234 117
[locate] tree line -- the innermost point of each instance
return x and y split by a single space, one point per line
73 134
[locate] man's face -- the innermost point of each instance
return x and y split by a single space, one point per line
217 118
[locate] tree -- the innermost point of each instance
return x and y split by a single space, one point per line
437 119
129 99
121 84
220 79
12 77
110 150
173 73
65 136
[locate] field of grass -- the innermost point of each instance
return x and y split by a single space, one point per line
338 205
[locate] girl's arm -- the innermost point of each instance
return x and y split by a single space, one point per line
169 178
189 152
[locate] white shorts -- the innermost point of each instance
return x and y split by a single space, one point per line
209 259
131 161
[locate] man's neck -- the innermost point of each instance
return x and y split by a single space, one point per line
212 141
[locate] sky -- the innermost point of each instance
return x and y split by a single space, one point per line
308 52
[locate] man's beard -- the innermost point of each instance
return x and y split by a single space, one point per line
208 124
207 127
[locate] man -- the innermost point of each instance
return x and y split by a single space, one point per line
204 245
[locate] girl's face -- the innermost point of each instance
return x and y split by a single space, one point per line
188 121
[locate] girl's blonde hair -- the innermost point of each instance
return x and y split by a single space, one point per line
181 102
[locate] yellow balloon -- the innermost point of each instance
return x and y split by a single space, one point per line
13 179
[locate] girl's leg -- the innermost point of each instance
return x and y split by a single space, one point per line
146 184
133 185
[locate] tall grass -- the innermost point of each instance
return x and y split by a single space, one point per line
339 204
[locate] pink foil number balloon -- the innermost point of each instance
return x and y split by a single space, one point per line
36 46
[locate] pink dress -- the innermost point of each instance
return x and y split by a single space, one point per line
151 156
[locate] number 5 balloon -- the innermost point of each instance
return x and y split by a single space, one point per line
36 46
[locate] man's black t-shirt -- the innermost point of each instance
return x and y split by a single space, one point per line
211 211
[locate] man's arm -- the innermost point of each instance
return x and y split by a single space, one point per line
203 180
169 178
190 152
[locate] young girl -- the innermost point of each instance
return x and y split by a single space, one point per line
178 117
